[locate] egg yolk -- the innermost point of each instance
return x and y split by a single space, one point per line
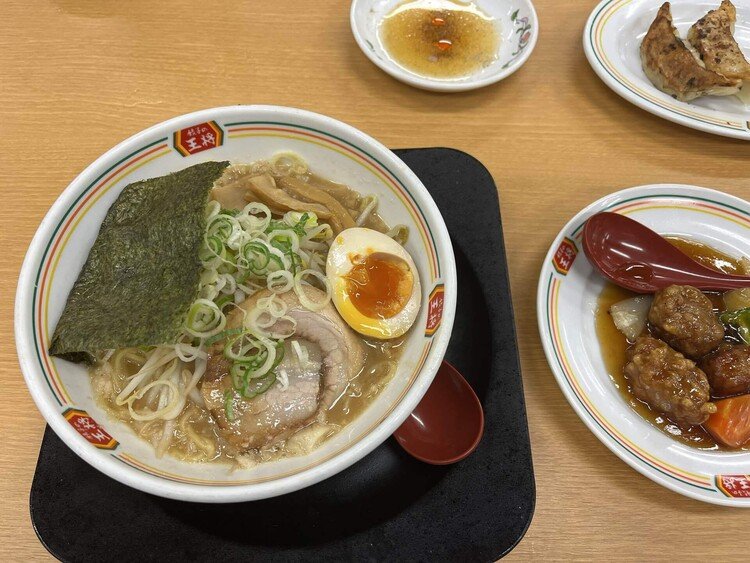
379 285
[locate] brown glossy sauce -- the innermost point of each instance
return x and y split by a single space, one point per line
614 345
440 38
709 257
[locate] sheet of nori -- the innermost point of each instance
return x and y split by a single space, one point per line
142 273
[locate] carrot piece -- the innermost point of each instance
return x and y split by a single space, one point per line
730 424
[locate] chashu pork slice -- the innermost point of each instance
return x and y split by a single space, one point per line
713 39
335 353
673 68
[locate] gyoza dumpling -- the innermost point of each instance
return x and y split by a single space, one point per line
673 68
712 38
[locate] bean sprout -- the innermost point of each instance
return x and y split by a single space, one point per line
367 211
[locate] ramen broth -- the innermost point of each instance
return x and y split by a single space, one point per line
378 370
194 435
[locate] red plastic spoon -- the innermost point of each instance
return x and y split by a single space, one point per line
636 258
448 422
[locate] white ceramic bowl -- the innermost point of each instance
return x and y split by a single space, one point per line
612 40
241 133
518 27
566 302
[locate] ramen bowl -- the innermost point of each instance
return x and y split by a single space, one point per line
61 389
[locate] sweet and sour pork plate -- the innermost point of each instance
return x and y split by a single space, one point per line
569 300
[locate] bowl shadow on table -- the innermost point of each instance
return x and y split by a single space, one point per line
372 491
654 130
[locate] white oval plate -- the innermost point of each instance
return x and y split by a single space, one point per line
519 29
566 302
612 39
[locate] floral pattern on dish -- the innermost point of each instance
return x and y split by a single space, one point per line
523 30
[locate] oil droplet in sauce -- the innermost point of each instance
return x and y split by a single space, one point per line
379 285
440 38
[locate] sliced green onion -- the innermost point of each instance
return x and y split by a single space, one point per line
275 225
298 221
276 263
284 239
258 386
251 220
221 226
242 275
256 256
228 406
204 319
213 247
224 334
295 261
279 354
308 303
238 376
213 208
245 345
244 251
243 371
223 300
280 281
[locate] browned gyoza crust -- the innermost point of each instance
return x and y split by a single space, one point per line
672 68
712 37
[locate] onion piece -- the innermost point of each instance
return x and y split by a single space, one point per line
737 299
283 378
280 281
303 356
321 232
300 291
249 217
188 353
630 315
205 319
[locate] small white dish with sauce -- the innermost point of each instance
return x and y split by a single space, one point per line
446 45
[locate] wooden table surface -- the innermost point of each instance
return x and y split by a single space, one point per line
77 77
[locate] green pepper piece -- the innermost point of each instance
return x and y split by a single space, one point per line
740 321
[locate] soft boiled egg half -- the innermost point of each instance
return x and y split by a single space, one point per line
375 284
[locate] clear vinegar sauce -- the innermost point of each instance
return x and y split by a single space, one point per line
444 39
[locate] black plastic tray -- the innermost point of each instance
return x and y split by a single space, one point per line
388 506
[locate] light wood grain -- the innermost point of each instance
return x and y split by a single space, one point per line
77 77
